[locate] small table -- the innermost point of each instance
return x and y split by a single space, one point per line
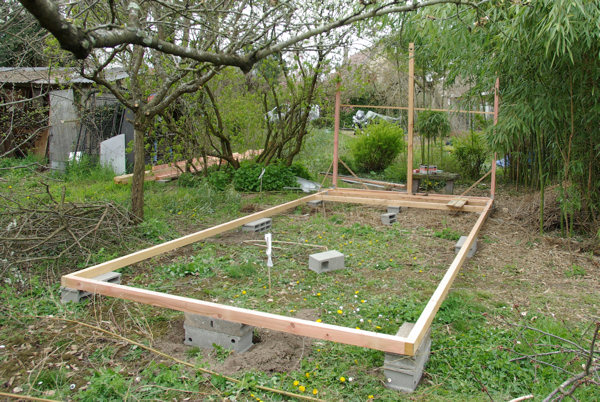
447 177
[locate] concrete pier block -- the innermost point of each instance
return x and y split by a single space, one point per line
204 332
394 210
331 260
388 218
460 243
403 373
315 203
75 295
260 225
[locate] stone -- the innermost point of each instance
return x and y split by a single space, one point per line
260 225
403 373
388 218
394 210
75 295
327 261
112 153
460 243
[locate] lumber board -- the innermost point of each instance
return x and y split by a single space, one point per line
419 109
296 326
395 195
426 318
397 203
411 117
149 252
457 203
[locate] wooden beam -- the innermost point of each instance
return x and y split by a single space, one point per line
296 326
496 109
396 195
426 318
411 117
142 255
336 131
419 109
397 203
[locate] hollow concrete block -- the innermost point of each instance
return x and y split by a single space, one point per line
460 243
331 260
75 295
204 332
388 218
260 225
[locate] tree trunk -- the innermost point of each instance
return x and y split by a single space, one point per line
137 183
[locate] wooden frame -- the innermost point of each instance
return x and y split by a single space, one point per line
83 279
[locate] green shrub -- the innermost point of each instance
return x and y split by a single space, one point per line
220 179
300 170
276 177
189 180
377 146
395 173
471 152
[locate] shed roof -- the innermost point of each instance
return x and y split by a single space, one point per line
52 76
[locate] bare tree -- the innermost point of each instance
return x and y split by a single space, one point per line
188 43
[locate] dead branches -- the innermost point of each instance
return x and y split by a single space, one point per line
42 227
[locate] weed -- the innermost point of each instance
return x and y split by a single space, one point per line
576 270
447 233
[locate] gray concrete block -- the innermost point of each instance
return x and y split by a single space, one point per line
460 243
216 325
388 218
315 203
75 295
204 338
394 210
327 261
260 225
403 373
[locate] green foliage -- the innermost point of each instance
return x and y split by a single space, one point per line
472 153
88 168
433 125
220 179
200 266
276 177
188 179
447 233
576 270
241 271
395 173
298 169
377 146
107 385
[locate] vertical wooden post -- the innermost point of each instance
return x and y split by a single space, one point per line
496 106
336 131
411 117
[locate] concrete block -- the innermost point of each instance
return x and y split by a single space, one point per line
403 373
331 260
216 325
204 338
388 218
460 243
315 203
394 210
75 295
260 225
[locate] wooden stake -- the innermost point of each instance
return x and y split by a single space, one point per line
336 131
419 109
496 107
411 116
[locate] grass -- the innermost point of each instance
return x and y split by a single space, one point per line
390 276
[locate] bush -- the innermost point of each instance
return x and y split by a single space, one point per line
377 146
188 179
298 169
276 177
220 179
471 152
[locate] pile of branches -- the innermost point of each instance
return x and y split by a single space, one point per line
41 227
528 211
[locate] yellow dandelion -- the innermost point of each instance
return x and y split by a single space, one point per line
302 388
356 292
9 187
307 375
265 286
370 397
363 300
342 379
391 260
296 383
420 270
318 294
305 240
319 320
377 327
292 310
243 292
179 213
414 258
315 392
357 327
340 312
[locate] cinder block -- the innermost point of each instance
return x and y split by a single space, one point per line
388 219
75 295
204 338
216 325
460 243
315 203
394 210
403 373
331 260
260 225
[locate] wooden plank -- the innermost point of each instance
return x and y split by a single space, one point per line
142 255
394 195
457 203
296 326
336 130
411 117
426 318
496 108
397 203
